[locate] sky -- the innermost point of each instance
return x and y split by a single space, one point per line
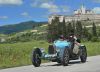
16 11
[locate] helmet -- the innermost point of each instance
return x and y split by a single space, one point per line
61 37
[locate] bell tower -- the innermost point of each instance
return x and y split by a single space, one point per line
83 9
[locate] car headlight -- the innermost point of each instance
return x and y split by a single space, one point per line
42 50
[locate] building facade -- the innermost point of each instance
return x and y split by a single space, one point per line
79 14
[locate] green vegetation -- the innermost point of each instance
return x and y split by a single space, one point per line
17 49
93 48
19 54
14 28
38 33
78 28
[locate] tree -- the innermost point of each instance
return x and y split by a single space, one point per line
33 26
53 29
86 34
69 28
73 25
94 32
99 32
62 28
79 28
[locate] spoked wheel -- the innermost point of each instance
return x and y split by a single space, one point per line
83 54
65 59
58 61
36 57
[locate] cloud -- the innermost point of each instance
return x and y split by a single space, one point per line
3 17
50 6
96 10
96 1
36 3
11 2
25 14
53 8
65 8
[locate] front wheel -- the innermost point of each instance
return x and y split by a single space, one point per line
36 57
65 59
59 61
83 54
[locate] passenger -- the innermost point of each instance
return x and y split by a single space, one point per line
74 42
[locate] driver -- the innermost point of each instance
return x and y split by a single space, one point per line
61 38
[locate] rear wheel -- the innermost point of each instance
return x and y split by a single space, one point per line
65 59
58 61
83 54
36 57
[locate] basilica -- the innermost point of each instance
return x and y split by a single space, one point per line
80 14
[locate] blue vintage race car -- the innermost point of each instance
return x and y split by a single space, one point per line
60 51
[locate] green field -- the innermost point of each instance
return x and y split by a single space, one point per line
19 54
93 48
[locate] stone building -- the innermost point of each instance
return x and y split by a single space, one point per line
79 14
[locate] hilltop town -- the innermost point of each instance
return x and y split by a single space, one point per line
80 14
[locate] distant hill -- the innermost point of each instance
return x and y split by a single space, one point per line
8 29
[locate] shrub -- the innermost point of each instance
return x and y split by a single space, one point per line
95 39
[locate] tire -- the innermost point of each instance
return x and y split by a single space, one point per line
65 59
59 61
36 57
83 54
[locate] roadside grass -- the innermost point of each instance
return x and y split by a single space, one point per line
93 48
19 54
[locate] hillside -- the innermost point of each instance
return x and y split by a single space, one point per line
8 29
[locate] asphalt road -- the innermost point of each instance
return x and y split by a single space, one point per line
92 65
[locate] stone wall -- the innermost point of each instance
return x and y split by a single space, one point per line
93 17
